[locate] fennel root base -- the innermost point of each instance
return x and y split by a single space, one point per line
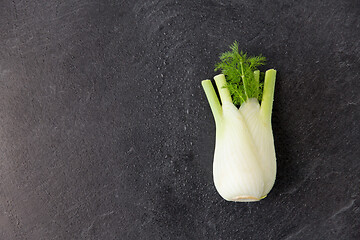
247 199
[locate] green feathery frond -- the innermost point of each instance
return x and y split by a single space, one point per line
243 79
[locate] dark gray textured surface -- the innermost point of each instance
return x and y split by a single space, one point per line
105 132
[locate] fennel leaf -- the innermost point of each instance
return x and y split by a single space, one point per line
243 79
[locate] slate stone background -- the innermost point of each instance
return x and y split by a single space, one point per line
105 132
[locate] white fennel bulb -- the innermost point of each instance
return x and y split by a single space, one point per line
244 166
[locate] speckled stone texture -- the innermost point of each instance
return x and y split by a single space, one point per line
105 132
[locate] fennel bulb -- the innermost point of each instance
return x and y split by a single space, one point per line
244 166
